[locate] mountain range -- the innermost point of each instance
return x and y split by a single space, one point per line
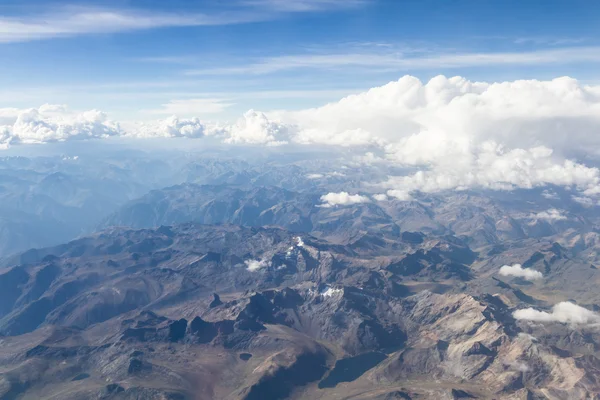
229 287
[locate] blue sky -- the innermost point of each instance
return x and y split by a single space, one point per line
147 59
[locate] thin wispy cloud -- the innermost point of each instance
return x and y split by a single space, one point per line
398 61
167 59
192 107
304 5
549 41
75 21
78 21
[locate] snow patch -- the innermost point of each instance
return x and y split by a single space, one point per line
330 292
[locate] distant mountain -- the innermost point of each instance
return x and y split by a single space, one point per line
217 204
481 220
50 200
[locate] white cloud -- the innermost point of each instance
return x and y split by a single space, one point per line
380 197
517 366
171 127
393 61
552 41
450 116
50 123
491 166
583 200
449 133
333 174
346 138
564 312
550 215
369 158
5 137
256 265
304 5
77 20
460 134
550 195
527 337
400 194
518 271
255 128
9 115
72 21
343 199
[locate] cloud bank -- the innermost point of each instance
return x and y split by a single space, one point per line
172 127
449 133
460 134
50 123
342 199
564 312
255 128
518 271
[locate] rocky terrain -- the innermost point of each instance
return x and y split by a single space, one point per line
221 311
231 286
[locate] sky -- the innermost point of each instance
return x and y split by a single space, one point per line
458 94
149 59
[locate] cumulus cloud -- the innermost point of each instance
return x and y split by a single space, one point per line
9 115
400 194
551 215
380 197
342 199
460 134
447 133
518 271
5 137
171 127
255 128
256 265
458 114
50 123
564 312
346 138
492 166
